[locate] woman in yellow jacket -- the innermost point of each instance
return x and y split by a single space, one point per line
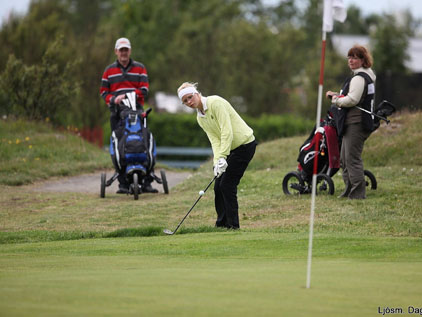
233 145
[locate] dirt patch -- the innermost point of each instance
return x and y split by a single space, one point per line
91 183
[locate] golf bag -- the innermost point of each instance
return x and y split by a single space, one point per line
321 143
133 151
325 144
132 146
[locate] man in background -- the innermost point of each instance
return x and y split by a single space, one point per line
123 76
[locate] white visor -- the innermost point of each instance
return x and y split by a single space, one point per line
187 90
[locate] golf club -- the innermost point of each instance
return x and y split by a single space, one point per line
374 114
201 193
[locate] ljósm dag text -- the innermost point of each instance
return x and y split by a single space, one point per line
399 310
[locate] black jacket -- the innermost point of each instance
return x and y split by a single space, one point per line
366 102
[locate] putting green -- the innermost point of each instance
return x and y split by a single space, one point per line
229 274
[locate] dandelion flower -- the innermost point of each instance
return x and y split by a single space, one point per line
27 138
18 141
30 146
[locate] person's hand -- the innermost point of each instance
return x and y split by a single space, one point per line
330 94
119 99
220 167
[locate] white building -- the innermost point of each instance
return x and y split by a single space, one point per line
342 43
170 103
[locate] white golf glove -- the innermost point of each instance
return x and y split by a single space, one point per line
220 167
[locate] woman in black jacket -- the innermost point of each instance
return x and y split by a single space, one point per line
355 125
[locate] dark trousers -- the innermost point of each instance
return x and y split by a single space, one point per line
114 121
351 161
225 187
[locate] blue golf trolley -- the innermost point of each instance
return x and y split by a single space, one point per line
133 150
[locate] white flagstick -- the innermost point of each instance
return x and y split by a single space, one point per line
333 10
318 118
311 233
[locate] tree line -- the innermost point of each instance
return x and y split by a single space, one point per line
264 59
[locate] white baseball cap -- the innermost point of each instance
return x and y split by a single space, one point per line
122 42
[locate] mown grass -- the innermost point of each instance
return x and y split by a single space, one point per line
245 273
77 254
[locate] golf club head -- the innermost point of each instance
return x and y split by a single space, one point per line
169 232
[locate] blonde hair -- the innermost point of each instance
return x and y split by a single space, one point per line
187 84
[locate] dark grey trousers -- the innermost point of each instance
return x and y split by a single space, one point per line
351 161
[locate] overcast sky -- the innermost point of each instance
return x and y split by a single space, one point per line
367 6
6 6
387 6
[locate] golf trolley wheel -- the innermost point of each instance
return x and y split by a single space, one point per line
293 184
370 180
103 185
164 179
324 185
135 186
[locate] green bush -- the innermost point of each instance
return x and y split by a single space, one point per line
40 91
270 127
177 130
183 129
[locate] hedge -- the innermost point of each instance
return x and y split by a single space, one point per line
183 129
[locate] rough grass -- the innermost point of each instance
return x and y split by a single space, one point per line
31 151
392 210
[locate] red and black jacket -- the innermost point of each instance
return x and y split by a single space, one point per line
119 80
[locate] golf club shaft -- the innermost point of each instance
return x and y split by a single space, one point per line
193 205
374 114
